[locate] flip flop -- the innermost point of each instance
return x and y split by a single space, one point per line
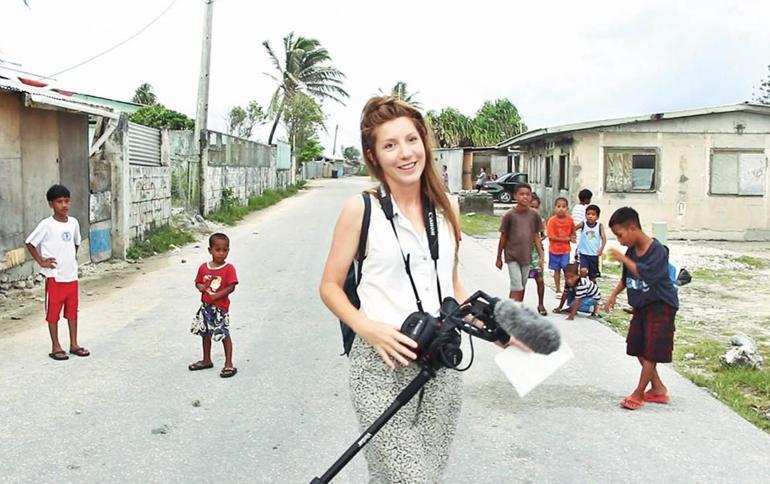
651 397
80 352
542 310
59 355
631 403
228 372
199 365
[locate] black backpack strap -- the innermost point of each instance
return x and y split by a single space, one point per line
362 239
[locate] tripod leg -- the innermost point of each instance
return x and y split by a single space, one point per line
402 399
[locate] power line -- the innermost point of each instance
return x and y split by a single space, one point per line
116 45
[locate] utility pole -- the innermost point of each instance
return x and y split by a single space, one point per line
334 147
202 113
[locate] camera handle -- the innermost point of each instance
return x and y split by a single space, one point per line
426 373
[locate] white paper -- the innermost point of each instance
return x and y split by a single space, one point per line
526 370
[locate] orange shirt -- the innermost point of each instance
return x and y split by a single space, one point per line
559 227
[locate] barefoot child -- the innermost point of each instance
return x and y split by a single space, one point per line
653 298
580 292
215 280
54 245
535 268
561 231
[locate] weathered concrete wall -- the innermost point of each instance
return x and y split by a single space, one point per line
183 160
11 194
453 159
150 192
73 169
682 197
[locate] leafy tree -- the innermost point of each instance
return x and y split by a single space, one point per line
495 122
351 153
304 68
400 91
144 95
450 127
241 122
158 116
310 150
302 117
762 93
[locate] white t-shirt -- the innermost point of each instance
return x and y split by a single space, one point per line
579 213
57 239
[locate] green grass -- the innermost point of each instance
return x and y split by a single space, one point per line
753 262
231 211
159 240
744 390
479 224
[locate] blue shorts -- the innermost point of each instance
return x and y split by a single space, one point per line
557 262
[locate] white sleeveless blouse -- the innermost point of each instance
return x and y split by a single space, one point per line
385 291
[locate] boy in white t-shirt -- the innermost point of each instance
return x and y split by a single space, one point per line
54 244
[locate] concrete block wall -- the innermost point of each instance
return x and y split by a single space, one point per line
150 189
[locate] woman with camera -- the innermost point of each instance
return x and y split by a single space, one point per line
414 445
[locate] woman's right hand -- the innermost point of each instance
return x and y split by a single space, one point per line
389 342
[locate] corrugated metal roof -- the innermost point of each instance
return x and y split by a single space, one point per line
567 128
45 96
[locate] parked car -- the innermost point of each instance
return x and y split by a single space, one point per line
504 187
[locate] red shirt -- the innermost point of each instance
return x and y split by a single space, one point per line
559 227
216 279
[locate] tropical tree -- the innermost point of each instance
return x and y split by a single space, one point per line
400 91
302 118
241 122
450 127
310 150
495 122
144 95
305 67
762 93
351 153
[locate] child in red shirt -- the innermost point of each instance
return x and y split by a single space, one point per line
561 231
215 280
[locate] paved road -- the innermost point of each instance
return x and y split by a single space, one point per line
286 416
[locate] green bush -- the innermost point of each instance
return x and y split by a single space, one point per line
159 240
231 211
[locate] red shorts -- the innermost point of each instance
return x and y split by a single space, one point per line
58 294
651 333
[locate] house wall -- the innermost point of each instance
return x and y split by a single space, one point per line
682 198
38 148
150 192
453 159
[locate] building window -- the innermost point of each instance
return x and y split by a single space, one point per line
630 170
549 171
563 167
736 172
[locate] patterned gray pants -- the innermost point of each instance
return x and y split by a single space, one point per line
412 448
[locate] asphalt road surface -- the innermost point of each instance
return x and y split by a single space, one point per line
132 412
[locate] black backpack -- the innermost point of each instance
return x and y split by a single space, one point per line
354 275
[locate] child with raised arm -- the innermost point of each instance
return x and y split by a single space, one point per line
561 231
54 245
591 243
215 280
653 297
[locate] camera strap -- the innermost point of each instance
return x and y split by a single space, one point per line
431 230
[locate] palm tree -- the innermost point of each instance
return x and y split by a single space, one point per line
399 91
305 68
144 95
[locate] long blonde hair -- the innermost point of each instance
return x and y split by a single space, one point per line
380 110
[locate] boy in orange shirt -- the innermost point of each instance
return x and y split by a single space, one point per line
561 231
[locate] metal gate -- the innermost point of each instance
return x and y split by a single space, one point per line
143 145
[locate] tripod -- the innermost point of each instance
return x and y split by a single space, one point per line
426 373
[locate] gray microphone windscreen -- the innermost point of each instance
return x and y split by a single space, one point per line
527 326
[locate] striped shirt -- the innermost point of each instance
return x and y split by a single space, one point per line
587 288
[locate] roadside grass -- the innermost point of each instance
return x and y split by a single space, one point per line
479 224
753 262
159 240
231 211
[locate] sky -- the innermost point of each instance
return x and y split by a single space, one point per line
557 61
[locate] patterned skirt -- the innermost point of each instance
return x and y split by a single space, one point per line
413 447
